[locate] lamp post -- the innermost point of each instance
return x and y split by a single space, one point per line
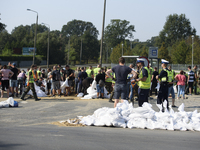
47 46
122 49
192 49
101 48
35 34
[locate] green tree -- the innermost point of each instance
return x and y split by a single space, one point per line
116 53
163 52
2 26
78 27
196 50
117 31
180 52
177 27
144 52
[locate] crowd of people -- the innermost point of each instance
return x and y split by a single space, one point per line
123 81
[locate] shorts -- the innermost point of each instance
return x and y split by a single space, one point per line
56 85
100 89
120 90
5 84
13 83
70 82
190 84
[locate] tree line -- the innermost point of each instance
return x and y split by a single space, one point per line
78 41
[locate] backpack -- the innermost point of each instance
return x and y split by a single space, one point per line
101 83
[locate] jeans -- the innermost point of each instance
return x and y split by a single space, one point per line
171 90
76 85
181 90
100 89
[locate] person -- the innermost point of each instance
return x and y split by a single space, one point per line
195 79
191 78
39 73
181 84
20 79
43 75
108 83
163 90
90 72
76 72
48 81
6 74
55 75
144 82
198 79
86 84
41 85
13 80
131 85
154 81
113 91
81 76
100 79
171 75
69 73
32 77
96 70
121 72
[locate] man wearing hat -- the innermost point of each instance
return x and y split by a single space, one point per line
13 80
163 77
144 82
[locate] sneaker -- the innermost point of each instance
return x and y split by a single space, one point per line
53 95
37 99
12 95
102 97
111 101
174 106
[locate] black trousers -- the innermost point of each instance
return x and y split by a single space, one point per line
163 94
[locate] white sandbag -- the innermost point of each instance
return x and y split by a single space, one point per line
80 95
64 84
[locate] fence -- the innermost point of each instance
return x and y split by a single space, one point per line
176 67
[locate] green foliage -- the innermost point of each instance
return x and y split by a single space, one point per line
78 27
116 53
163 52
180 51
7 52
2 26
117 31
177 27
19 57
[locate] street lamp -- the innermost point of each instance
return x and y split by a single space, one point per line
122 49
35 34
47 46
192 49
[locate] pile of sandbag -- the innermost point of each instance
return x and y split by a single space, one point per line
126 116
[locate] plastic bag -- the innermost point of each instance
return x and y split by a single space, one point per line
65 84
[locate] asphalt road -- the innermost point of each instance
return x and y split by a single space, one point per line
29 127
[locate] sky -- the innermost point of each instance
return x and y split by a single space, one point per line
148 16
